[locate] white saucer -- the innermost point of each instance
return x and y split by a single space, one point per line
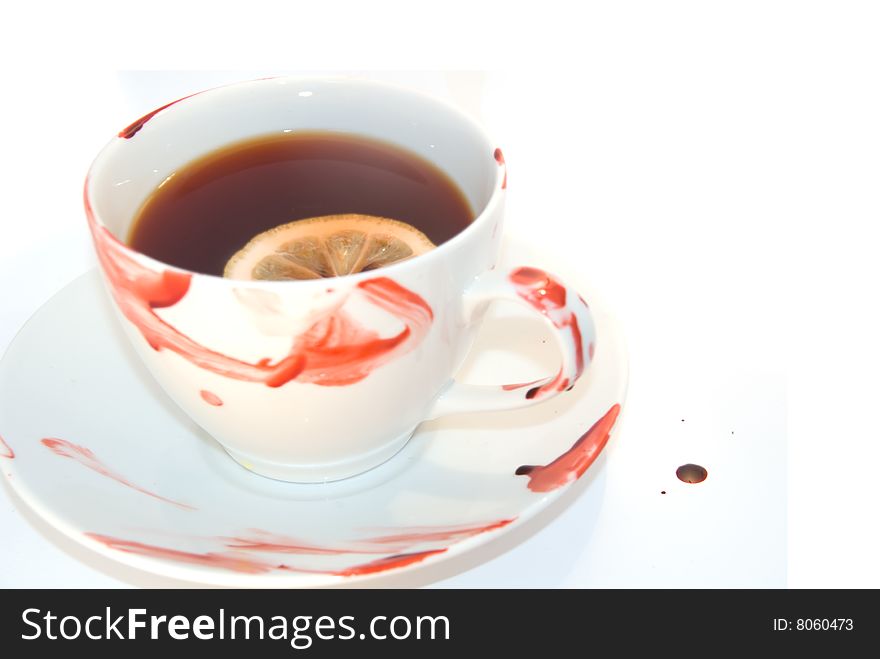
95 447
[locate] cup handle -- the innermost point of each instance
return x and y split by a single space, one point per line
560 306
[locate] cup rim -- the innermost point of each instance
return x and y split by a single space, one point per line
439 252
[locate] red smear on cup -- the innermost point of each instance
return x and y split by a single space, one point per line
548 296
335 351
132 129
499 158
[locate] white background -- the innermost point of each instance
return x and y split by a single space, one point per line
711 168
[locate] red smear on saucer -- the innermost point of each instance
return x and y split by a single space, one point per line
88 459
6 450
400 540
572 464
232 562
211 398
388 563
437 533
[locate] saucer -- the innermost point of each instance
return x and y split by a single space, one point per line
90 441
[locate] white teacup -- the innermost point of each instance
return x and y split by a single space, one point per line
317 380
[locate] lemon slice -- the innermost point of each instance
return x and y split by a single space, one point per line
327 246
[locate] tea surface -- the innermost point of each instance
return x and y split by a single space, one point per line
208 209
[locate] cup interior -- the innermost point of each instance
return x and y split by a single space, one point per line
131 167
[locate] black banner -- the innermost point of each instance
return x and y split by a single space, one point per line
524 622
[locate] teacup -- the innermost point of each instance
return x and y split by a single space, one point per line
318 380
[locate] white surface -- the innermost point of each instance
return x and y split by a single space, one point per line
723 160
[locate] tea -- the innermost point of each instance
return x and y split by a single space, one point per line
204 212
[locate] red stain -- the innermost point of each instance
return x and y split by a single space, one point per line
572 464
211 398
6 450
518 385
402 541
575 330
249 565
540 289
232 562
544 293
499 157
334 351
558 383
438 533
338 351
263 541
88 459
130 131
388 563
591 350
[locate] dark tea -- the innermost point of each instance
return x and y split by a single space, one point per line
210 208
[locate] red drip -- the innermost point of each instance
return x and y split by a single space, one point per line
334 351
88 459
211 398
130 131
691 473
558 383
499 158
6 450
572 464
